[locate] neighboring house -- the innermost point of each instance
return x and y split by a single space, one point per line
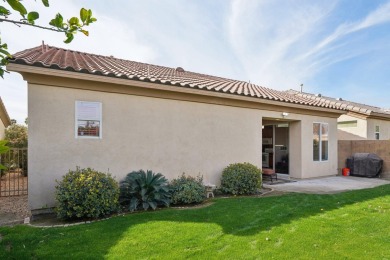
117 115
5 120
362 122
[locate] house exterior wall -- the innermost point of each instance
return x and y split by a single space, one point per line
352 133
310 168
384 129
163 135
2 130
5 121
365 129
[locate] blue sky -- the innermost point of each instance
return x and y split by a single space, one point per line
334 47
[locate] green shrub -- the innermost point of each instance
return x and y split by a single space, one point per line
241 178
140 189
187 190
86 193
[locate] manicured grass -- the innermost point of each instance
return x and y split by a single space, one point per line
351 225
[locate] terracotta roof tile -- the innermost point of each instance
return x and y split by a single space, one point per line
339 103
63 59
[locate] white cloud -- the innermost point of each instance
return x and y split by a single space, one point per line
108 36
282 47
268 38
378 16
278 44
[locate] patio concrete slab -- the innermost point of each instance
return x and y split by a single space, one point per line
328 185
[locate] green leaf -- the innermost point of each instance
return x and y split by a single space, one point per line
4 11
32 16
3 146
17 6
45 3
86 33
153 204
5 52
74 21
3 62
57 21
145 205
90 19
84 15
69 37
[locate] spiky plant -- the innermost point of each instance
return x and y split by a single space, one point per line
140 189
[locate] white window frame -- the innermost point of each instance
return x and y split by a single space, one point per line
100 120
377 132
320 142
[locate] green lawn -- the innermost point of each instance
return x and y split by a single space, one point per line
351 225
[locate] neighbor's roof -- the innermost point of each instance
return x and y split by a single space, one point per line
4 114
68 60
345 104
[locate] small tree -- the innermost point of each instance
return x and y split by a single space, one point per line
16 136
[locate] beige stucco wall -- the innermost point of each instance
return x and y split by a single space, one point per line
384 129
2 130
163 135
343 135
359 131
365 129
310 168
5 121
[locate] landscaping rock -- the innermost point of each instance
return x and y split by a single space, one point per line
13 210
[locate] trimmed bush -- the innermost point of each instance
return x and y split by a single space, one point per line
187 190
86 193
140 189
241 178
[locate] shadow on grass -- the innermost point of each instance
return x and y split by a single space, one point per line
241 216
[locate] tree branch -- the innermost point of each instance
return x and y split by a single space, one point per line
18 23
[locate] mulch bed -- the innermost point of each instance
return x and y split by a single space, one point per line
14 209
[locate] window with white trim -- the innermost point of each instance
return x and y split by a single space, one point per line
88 119
377 132
345 124
320 141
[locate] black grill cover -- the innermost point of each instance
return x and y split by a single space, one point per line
365 165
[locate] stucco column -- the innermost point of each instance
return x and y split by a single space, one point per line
295 149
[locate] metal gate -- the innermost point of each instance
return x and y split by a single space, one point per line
14 178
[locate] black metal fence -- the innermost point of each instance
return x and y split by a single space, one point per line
13 180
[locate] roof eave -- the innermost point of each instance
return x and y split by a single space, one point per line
27 70
4 114
375 115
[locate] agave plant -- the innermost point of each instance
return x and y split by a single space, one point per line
140 189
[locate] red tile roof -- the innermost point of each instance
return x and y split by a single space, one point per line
63 59
344 104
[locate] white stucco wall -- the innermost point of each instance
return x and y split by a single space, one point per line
384 129
360 130
162 135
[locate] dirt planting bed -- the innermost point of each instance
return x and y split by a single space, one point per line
13 210
13 184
